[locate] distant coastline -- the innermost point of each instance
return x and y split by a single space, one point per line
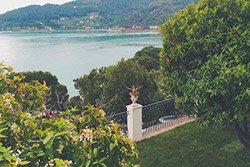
92 30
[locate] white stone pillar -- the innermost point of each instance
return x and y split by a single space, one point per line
134 121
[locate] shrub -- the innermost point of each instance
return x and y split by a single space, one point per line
206 61
30 137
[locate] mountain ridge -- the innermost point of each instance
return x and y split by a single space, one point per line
92 14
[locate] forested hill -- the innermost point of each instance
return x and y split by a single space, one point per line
89 14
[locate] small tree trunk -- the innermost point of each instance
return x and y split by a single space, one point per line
243 135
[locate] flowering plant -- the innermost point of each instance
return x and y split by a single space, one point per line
72 138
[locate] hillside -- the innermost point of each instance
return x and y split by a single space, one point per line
194 146
88 14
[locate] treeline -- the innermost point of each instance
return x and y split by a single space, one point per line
75 14
107 87
108 84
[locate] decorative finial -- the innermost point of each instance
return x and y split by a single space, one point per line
134 93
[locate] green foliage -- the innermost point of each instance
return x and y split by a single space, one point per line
75 101
111 82
111 13
128 73
72 138
91 86
58 94
207 47
148 57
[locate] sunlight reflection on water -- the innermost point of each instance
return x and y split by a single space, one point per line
70 55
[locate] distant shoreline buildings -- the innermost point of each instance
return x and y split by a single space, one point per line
133 28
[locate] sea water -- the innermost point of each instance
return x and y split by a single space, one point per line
70 55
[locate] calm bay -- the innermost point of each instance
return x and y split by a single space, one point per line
69 55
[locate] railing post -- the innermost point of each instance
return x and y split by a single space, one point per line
134 121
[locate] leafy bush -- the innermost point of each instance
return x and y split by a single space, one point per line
70 138
206 61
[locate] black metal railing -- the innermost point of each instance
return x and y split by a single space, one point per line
120 118
155 116
159 115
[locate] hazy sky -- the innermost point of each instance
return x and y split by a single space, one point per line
7 5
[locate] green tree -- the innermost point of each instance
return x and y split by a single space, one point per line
148 57
91 86
125 74
58 94
107 86
207 64
75 101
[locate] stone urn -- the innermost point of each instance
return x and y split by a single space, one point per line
134 93
134 96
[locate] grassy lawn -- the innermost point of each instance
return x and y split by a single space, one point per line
194 146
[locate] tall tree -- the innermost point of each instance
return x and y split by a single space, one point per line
207 62
107 86
148 57
125 74
91 86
